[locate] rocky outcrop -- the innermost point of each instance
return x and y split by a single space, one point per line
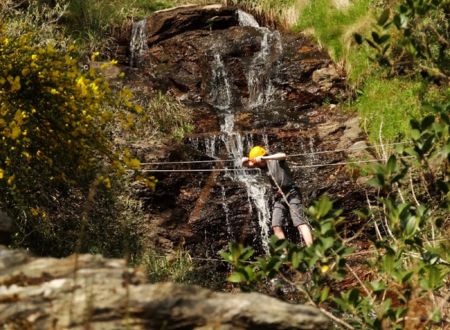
280 90
91 292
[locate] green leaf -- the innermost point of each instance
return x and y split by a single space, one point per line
327 242
378 286
435 278
324 293
296 259
389 263
246 254
384 38
374 182
391 165
383 17
415 134
406 276
353 297
427 121
358 38
376 37
411 226
236 278
323 206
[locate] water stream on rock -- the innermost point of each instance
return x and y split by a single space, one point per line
138 43
261 91
230 143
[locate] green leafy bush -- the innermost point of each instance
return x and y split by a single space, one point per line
402 280
414 38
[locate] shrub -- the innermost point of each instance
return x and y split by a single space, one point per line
56 156
402 281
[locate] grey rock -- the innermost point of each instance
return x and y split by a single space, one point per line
88 291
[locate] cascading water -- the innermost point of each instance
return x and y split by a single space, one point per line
138 44
256 189
260 93
259 82
221 95
245 19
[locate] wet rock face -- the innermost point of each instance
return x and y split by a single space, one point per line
247 85
91 292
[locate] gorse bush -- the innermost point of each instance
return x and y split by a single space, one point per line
56 153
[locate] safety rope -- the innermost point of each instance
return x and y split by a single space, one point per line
199 170
256 169
348 149
289 156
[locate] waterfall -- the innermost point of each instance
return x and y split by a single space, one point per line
221 95
256 189
259 81
138 44
236 144
245 19
221 89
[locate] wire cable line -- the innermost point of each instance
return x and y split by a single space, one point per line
288 156
257 169
348 149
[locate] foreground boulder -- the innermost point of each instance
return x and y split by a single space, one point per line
91 292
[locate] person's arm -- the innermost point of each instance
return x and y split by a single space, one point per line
277 156
245 161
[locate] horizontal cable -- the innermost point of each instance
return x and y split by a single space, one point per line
201 170
346 163
347 149
257 169
288 156
189 162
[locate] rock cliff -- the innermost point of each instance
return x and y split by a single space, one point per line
246 85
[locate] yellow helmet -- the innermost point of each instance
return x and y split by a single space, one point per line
256 152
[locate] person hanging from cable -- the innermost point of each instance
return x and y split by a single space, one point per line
287 199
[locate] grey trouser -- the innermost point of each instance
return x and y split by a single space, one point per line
294 209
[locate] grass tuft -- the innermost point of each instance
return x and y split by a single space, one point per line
387 103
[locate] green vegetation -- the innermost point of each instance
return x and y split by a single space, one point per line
160 268
384 104
167 117
91 22
62 164
57 162
61 173
334 27
397 69
400 79
402 280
